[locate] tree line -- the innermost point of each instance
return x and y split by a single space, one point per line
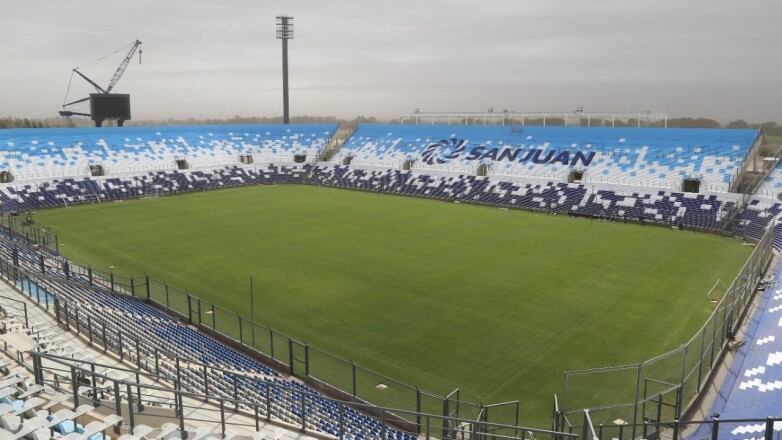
767 128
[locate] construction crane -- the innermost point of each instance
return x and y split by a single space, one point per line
104 105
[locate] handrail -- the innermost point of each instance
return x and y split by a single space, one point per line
90 327
91 372
588 424
110 284
23 308
686 368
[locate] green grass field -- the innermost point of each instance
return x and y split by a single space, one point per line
436 294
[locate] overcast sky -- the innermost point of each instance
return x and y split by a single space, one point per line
713 58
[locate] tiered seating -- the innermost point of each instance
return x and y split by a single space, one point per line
756 216
45 154
772 186
136 320
752 389
89 190
38 412
639 156
691 210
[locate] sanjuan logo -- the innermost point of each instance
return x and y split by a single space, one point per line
443 151
447 150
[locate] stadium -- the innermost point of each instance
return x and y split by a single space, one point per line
491 275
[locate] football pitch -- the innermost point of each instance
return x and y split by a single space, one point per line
439 295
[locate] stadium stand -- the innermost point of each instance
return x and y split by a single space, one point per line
649 157
625 175
188 354
772 185
672 208
67 191
33 339
56 153
666 207
35 411
752 387
756 216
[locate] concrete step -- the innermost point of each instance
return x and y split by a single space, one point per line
343 133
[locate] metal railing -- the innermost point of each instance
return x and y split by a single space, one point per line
763 428
39 280
664 387
290 354
131 397
15 308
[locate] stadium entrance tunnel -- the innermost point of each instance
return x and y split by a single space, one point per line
6 177
299 158
97 171
483 170
575 176
181 164
691 185
246 159
408 164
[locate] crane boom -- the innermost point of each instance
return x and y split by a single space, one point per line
93 83
122 66
104 105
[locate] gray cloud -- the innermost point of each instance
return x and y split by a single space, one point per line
717 58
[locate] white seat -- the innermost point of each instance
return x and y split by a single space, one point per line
201 434
59 417
41 434
30 426
142 431
55 400
166 430
265 434
11 381
31 391
30 405
83 409
97 426
11 422
5 409
8 392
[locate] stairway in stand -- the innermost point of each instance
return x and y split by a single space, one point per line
343 133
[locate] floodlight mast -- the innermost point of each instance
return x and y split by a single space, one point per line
285 33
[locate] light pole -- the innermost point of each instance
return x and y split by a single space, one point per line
252 310
284 33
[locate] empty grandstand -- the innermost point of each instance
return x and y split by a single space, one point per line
676 178
652 158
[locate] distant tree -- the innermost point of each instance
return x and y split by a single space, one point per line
693 123
366 119
770 128
737 124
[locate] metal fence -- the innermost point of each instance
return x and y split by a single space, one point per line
137 395
14 308
22 227
295 356
655 389
663 387
335 375
714 429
